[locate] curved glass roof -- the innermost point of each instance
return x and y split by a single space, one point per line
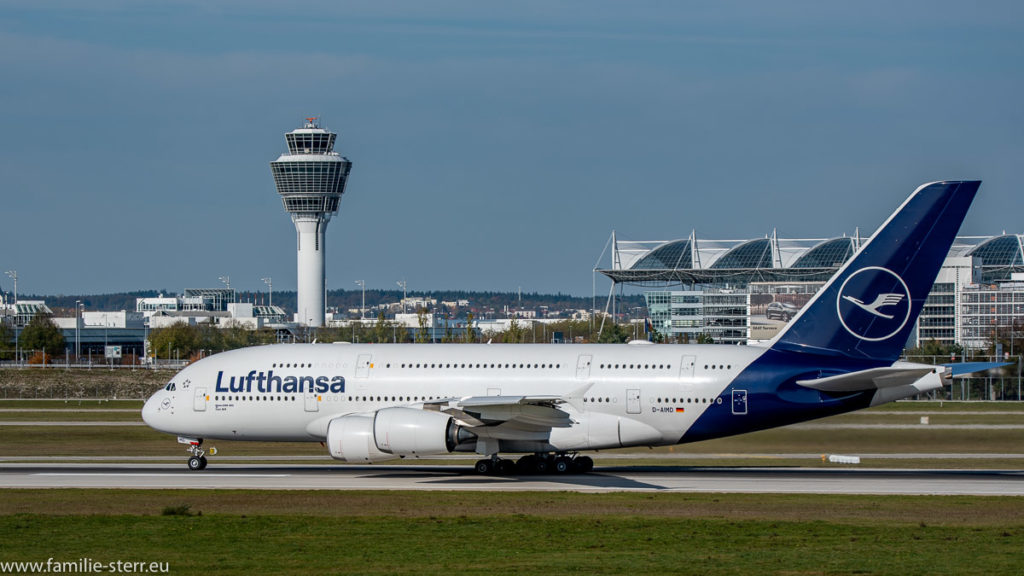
668 256
753 254
829 254
999 251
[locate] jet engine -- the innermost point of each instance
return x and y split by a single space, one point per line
412 432
350 438
393 432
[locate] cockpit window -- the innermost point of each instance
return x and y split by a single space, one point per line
170 387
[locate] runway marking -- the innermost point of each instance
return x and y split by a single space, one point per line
158 475
62 423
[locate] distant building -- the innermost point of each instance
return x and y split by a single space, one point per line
773 272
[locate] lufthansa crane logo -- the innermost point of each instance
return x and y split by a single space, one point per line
873 304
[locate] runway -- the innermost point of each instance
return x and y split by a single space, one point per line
603 479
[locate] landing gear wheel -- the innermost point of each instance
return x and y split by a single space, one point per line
198 459
484 466
561 465
506 467
541 466
525 465
583 464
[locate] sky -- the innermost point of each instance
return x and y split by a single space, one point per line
495 146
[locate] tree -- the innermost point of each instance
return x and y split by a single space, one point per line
42 334
179 336
6 341
613 334
470 332
515 333
933 351
423 334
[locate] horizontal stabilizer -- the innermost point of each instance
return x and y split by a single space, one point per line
961 368
900 374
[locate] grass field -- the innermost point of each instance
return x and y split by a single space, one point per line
241 532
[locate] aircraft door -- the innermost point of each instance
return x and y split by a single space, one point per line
633 401
199 403
739 402
312 402
583 366
363 365
686 366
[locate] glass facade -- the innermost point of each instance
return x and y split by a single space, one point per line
753 254
667 257
310 142
311 177
1000 257
303 177
829 254
724 316
988 310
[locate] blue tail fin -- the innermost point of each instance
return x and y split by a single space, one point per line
868 309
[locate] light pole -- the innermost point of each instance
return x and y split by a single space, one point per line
14 276
270 285
402 284
362 284
78 325
227 282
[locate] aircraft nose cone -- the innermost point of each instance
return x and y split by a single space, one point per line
149 411
153 409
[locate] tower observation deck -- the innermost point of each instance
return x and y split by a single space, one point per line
310 178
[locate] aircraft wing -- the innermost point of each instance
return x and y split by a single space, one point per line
899 374
510 417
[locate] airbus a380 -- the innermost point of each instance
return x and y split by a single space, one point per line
550 402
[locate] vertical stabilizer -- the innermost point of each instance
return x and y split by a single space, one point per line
868 309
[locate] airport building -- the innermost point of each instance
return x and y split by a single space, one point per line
743 291
311 178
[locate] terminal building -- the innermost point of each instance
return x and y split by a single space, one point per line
744 291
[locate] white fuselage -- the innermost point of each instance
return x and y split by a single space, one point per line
633 394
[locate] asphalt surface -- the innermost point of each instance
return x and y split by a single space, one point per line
603 479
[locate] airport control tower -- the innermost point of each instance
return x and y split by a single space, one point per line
310 178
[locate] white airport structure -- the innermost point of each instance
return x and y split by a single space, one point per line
744 291
311 178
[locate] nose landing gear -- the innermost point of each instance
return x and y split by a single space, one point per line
198 459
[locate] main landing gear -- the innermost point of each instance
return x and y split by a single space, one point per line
540 463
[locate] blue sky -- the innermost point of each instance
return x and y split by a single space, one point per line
495 145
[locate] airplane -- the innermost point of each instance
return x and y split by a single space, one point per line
551 402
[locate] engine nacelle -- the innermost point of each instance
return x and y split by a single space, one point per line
350 438
412 432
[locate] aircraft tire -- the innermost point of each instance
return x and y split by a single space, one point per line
561 465
483 467
506 467
525 465
583 464
195 463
